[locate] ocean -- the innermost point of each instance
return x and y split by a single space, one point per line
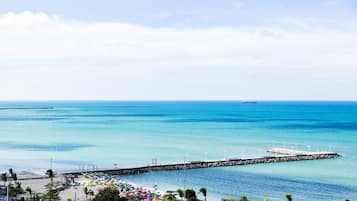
78 134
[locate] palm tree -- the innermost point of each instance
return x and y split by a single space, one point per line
14 177
289 197
18 189
29 191
4 178
204 193
50 174
181 194
85 191
11 171
190 195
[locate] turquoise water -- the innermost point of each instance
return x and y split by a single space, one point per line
77 134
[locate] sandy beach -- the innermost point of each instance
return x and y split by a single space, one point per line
75 191
38 186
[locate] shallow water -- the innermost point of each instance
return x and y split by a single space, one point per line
77 134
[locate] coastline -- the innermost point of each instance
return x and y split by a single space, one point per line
192 131
75 191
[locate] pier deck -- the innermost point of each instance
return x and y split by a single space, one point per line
284 155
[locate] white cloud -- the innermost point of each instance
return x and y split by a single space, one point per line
239 4
46 57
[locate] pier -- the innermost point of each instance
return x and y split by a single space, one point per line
278 155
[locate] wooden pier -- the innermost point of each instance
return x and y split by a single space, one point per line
281 155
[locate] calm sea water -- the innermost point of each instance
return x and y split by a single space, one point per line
77 134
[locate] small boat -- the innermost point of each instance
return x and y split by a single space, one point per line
249 102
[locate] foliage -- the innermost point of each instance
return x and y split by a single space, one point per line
85 191
35 197
289 197
29 191
11 171
4 178
16 189
243 198
51 195
181 193
50 174
204 193
52 192
170 196
14 176
108 194
190 195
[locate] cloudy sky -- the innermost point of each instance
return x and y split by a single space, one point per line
178 50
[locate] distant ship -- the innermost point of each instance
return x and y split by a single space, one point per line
249 102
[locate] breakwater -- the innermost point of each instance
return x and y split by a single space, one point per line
210 163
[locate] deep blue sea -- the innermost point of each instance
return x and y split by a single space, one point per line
86 134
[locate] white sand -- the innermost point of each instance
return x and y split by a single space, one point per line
38 186
72 192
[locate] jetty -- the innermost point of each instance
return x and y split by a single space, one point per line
278 155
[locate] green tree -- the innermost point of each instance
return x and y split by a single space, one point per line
52 194
204 193
11 172
181 193
36 197
289 197
243 198
29 191
107 194
14 177
50 174
190 195
16 189
85 191
4 178
170 196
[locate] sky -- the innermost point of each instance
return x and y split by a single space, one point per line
178 50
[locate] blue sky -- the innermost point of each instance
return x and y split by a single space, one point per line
178 50
188 12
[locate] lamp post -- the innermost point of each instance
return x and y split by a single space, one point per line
8 192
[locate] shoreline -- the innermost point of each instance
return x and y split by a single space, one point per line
38 182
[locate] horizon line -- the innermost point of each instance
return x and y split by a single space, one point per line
177 100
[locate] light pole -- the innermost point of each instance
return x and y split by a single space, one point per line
7 192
